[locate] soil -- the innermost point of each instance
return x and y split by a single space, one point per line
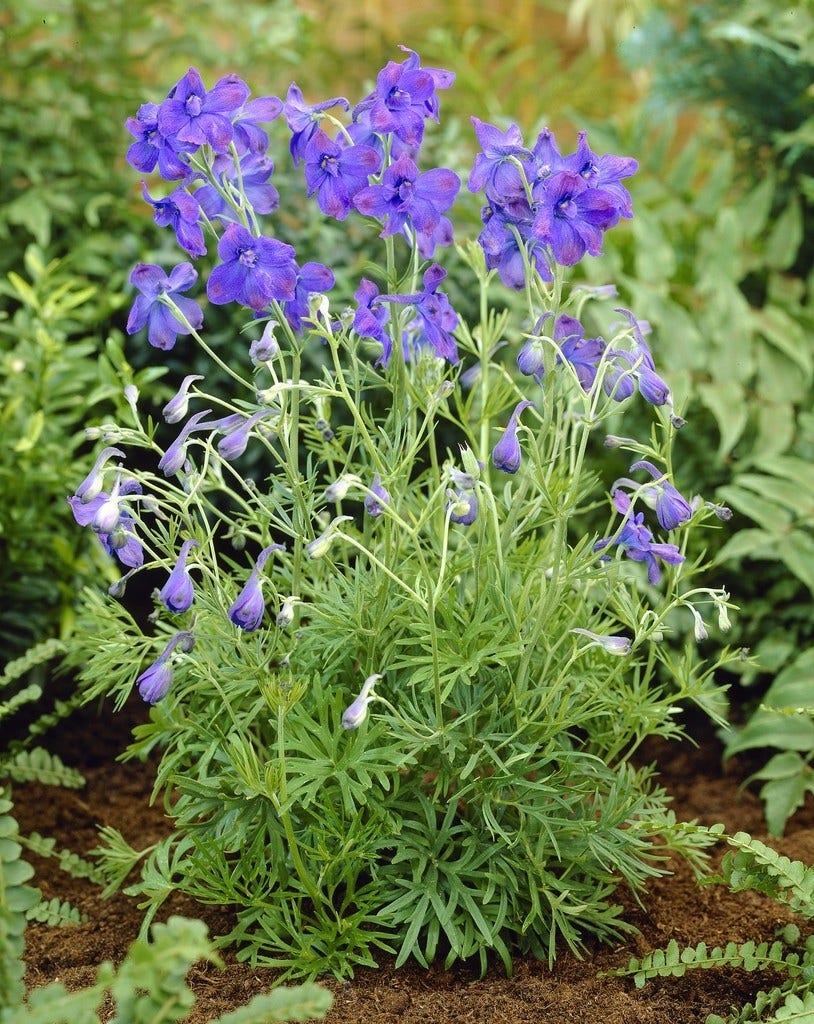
676 908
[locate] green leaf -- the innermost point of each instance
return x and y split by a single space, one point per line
726 401
785 236
294 1003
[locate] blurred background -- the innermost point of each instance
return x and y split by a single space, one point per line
714 99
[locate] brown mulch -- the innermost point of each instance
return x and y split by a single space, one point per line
676 908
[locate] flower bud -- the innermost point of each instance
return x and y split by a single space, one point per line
616 645
176 409
92 485
377 499
285 616
356 712
266 347
506 455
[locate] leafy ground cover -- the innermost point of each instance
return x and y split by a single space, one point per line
118 794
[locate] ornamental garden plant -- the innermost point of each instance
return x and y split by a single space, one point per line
405 641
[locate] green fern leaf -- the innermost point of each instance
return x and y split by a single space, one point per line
37 765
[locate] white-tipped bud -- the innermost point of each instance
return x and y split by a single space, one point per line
285 616
356 712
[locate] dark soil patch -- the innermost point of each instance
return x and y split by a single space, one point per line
676 908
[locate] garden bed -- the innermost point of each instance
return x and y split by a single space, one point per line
676 908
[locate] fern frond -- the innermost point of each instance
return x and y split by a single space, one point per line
757 866
71 863
36 655
28 695
38 765
56 913
673 961
16 898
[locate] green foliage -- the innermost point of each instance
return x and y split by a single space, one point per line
151 985
751 865
16 899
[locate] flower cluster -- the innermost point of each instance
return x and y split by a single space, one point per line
544 209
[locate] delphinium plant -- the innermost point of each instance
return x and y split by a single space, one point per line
395 685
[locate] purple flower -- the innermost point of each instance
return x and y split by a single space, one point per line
249 137
254 270
571 216
177 594
303 119
155 681
617 645
435 318
191 114
546 158
640 367
181 212
584 354
254 174
404 97
370 317
172 461
406 198
672 508
636 541
248 608
176 409
91 486
151 310
495 170
377 499
356 711
122 542
151 147
233 443
604 172
337 173
311 278
506 455
462 501
503 252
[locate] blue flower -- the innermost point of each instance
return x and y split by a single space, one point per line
155 681
180 211
672 508
462 500
122 542
176 409
336 173
370 317
407 199
192 115
172 461
247 610
311 278
636 541
377 499
495 170
177 594
435 318
252 176
93 482
152 147
619 382
356 712
571 216
303 119
253 270
507 455
151 310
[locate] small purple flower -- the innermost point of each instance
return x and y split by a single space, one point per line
155 681
191 114
584 354
435 318
172 461
672 508
336 173
462 500
616 645
248 608
253 271
405 198
404 97
265 348
495 170
254 173
151 148
507 455
150 309
93 482
370 317
640 367
311 278
249 137
502 248
571 216
122 542
604 172
178 593
303 119
109 512
356 711
233 443
181 212
377 499
636 541
176 409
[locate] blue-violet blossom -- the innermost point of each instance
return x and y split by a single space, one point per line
178 593
151 309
